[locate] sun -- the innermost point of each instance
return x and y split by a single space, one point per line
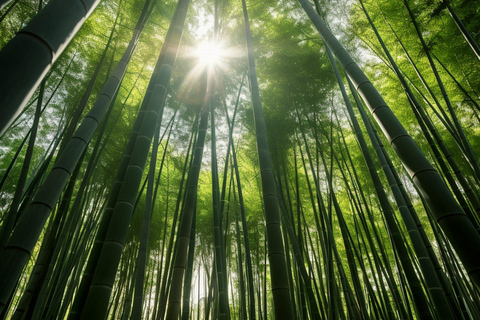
213 55
210 54
210 61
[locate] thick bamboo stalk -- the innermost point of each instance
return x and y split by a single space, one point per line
28 229
11 215
448 214
104 276
26 59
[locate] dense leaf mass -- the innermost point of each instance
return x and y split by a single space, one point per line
144 178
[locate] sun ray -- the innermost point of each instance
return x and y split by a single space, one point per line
211 60
210 54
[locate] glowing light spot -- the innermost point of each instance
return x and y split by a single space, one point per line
210 62
209 54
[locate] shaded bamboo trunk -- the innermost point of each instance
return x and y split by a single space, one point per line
184 231
98 296
282 304
26 59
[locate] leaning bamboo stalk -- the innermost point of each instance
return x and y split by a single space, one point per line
219 244
80 107
11 215
45 261
321 292
384 270
353 308
82 291
470 40
352 253
166 276
301 261
14 159
142 259
70 254
26 59
240 271
187 286
28 229
448 214
471 157
98 296
248 258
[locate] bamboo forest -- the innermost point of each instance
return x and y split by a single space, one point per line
239 159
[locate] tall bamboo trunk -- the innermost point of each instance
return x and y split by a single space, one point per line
26 59
184 231
283 306
11 215
448 214
471 42
29 227
104 276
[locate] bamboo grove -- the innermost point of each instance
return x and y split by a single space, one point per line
221 159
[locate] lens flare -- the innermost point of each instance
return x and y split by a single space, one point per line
209 54
211 60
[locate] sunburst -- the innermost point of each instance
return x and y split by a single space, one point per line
210 55
211 60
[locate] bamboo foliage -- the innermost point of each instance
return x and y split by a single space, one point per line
448 213
289 207
26 233
100 288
